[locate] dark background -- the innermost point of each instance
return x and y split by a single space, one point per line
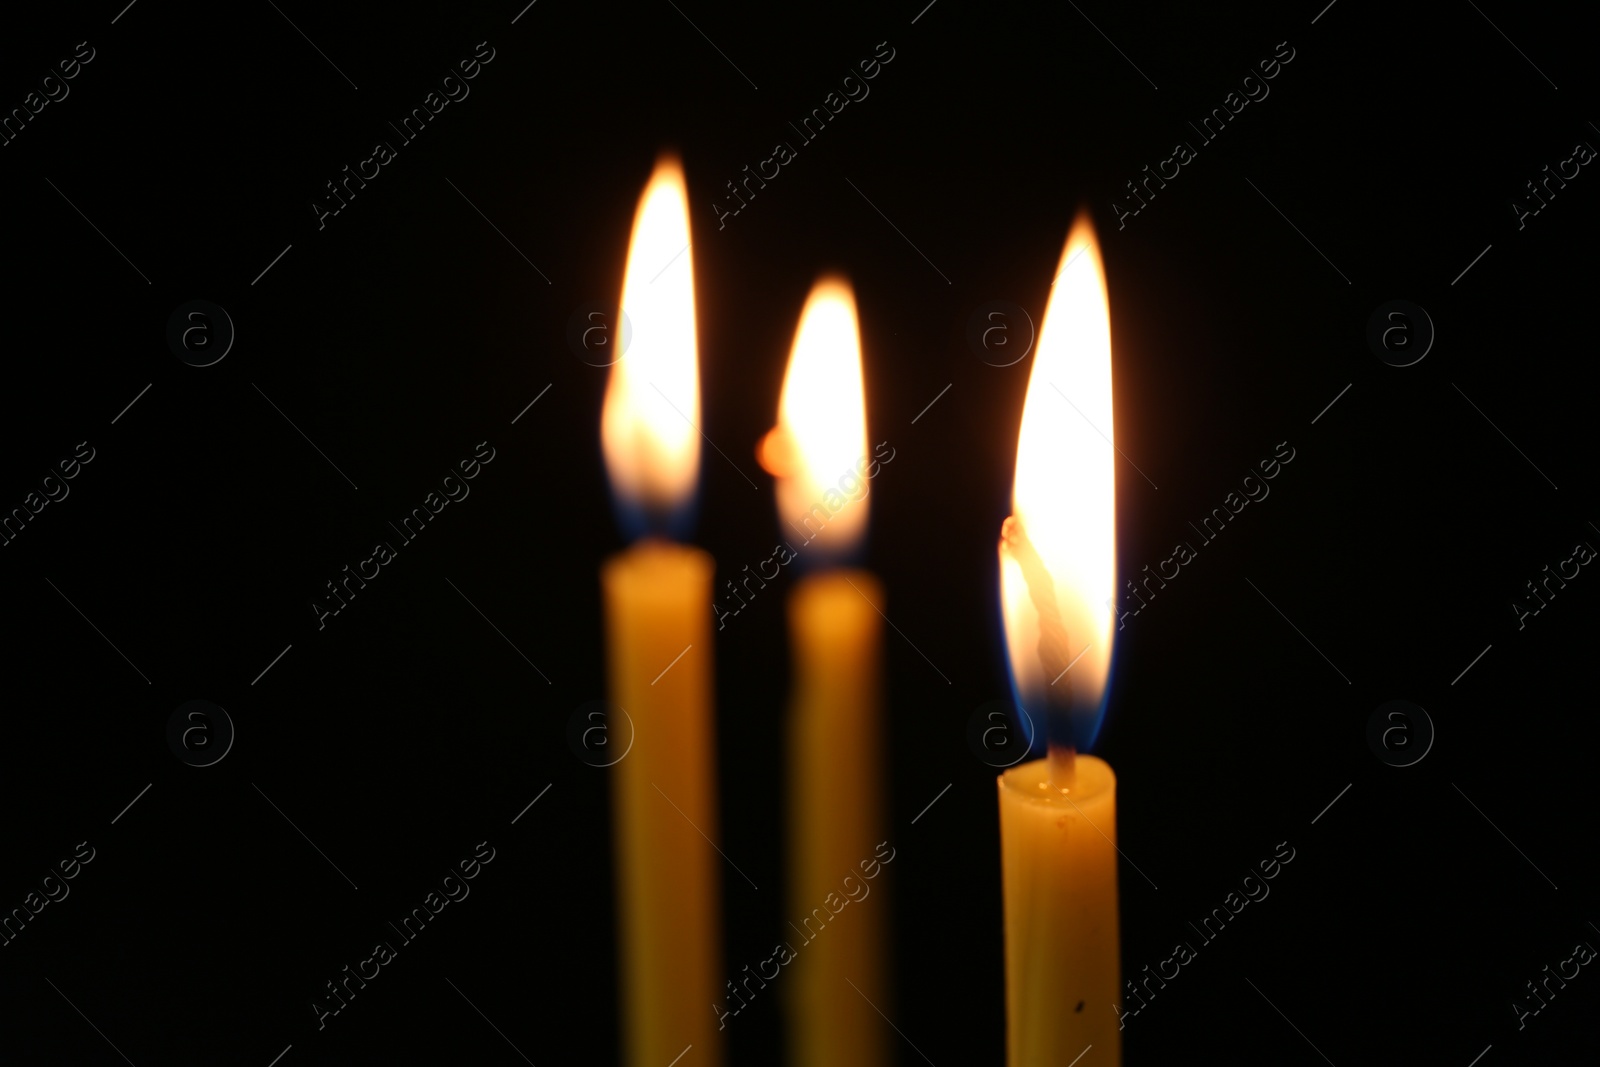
408 330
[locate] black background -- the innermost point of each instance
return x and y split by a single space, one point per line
407 330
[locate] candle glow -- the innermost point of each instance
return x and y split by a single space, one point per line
822 420
1058 816
818 453
648 431
656 594
1064 503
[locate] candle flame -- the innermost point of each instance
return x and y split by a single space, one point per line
649 424
818 451
1058 557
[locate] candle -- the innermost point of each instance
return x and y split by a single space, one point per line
1057 579
657 598
818 452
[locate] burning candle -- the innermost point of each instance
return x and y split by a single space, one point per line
1057 580
818 452
657 597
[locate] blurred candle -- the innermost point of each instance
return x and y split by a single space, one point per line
818 452
1057 579
657 597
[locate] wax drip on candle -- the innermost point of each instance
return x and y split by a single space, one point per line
1052 651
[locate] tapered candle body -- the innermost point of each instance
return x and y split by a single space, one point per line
835 823
1058 859
663 794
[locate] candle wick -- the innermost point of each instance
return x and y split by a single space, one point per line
1052 646
1063 767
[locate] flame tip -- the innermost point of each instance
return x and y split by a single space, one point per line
668 159
830 285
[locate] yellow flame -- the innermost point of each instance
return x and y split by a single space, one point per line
1064 493
818 451
649 425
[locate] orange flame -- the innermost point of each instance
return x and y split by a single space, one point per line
816 450
649 424
1058 561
